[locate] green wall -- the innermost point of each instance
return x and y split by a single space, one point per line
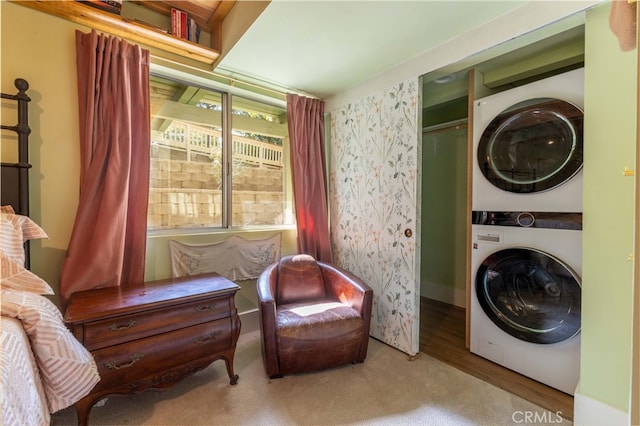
443 238
41 49
608 222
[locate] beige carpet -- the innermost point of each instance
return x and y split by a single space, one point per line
387 389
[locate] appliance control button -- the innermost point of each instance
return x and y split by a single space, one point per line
525 219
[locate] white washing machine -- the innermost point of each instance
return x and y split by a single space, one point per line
526 294
527 144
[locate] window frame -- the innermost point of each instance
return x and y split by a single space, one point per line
227 93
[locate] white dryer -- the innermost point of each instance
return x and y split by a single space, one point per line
526 294
527 144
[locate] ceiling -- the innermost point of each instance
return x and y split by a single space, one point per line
323 47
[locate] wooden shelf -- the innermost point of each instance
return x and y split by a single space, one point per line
124 28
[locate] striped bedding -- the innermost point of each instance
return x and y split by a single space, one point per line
44 368
23 400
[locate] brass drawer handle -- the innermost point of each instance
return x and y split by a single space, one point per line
204 339
205 308
114 365
116 327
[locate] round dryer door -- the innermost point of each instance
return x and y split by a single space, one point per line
530 295
532 146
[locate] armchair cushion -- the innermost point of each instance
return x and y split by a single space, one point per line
318 321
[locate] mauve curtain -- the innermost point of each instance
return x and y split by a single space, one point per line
108 241
306 133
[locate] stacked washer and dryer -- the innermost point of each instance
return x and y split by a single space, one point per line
526 254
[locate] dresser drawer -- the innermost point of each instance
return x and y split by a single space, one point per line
113 331
148 358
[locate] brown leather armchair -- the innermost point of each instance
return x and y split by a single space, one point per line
313 316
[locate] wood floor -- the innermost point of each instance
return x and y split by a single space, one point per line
442 336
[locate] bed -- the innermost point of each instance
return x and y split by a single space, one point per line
43 367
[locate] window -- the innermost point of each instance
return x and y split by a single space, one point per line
217 160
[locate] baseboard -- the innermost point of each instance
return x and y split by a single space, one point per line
249 321
444 293
247 304
591 412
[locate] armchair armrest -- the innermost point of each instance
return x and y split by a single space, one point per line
266 285
346 287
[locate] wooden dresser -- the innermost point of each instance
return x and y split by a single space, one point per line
151 335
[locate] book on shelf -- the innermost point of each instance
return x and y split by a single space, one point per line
183 26
194 31
175 22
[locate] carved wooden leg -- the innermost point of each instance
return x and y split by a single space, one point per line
233 378
83 409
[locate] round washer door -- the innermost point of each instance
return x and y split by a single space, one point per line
530 295
532 146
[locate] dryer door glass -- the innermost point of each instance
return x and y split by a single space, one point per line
532 146
530 294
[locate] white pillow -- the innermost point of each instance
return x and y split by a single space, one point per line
14 231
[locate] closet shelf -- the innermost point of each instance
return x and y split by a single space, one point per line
124 28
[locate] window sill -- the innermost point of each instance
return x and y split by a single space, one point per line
163 233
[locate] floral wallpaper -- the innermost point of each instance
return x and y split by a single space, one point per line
374 195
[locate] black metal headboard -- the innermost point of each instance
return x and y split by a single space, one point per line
14 181
15 176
